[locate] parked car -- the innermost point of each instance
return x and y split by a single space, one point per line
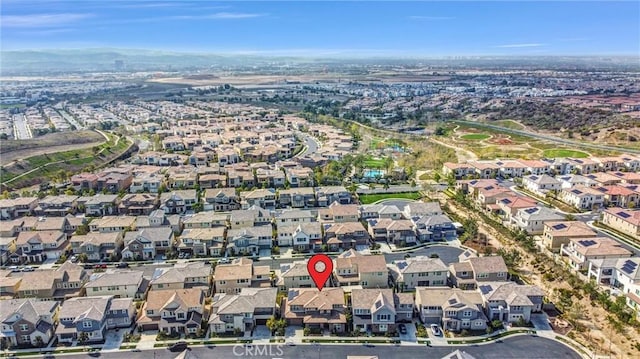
224 260
28 269
74 258
14 269
100 266
402 329
178 346
123 265
436 330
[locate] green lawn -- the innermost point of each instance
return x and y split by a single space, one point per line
475 136
372 163
559 152
510 124
371 198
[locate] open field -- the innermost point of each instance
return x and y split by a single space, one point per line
475 136
559 152
510 124
35 169
12 150
371 198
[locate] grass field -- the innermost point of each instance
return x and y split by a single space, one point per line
475 136
371 198
510 124
373 163
559 152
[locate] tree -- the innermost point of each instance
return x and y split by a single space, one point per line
83 338
437 177
39 342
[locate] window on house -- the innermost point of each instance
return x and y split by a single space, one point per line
383 317
24 327
25 338
180 315
86 324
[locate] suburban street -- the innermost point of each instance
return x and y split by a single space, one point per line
310 143
21 128
512 347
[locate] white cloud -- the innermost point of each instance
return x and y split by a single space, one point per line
520 45
431 18
41 20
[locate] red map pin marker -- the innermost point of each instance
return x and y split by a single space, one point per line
320 267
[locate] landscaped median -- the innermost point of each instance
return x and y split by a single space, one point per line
338 340
476 340
207 342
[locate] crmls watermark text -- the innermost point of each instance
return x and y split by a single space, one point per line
266 350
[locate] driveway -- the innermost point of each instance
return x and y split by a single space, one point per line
411 333
113 340
540 321
261 332
294 333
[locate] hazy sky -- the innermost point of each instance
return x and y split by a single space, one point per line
328 27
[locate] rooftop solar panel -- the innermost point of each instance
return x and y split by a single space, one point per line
623 214
559 226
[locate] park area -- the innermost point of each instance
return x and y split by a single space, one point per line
559 152
373 198
475 136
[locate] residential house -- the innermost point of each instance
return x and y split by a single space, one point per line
270 178
206 220
212 180
36 247
419 271
249 240
453 308
56 206
339 213
114 180
243 311
84 181
345 235
254 216
98 246
182 275
302 197
398 232
17 207
329 194
302 237
137 204
434 228
173 311
457 170
295 275
622 220
377 310
316 310
581 197
99 205
64 282
351 268
120 283
109 224
146 243
557 233
620 273
240 273
532 219
508 205
580 252
27 322
293 217
178 201
147 183
381 211
541 184
511 302
469 272
263 198
619 196
158 218
93 316
221 199
203 242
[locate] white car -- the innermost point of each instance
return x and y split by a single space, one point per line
436 330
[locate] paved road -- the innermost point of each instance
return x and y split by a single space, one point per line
548 138
514 347
70 119
311 145
20 127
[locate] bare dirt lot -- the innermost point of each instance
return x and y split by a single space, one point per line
12 150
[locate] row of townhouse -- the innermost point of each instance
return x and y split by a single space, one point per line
174 201
555 166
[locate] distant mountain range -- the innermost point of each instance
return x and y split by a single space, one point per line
110 59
